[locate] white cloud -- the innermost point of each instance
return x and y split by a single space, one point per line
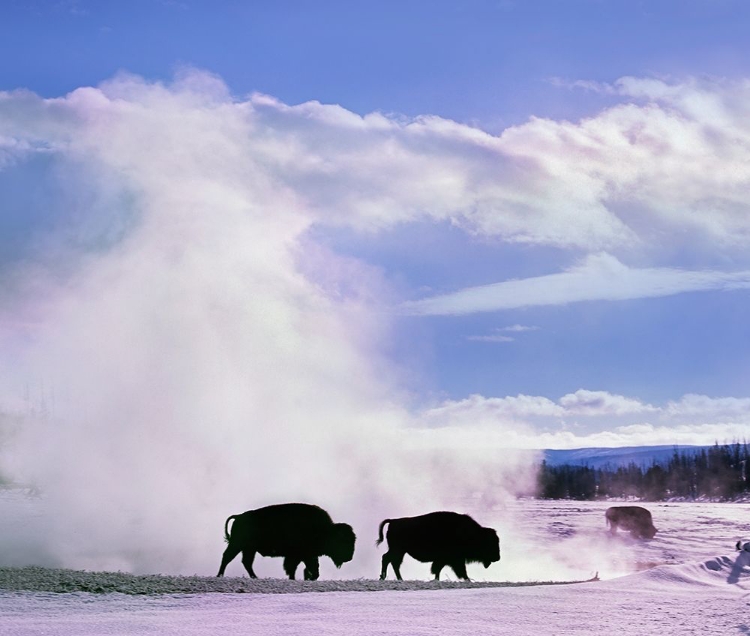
629 176
590 418
674 166
584 402
701 406
479 410
598 277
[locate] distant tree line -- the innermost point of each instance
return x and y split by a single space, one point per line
718 473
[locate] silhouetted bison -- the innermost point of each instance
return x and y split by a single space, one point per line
299 532
633 518
443 538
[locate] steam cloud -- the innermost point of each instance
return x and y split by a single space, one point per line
204 357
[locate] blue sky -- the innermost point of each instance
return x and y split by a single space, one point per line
542 200
488 62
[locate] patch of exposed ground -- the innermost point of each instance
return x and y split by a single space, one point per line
38 579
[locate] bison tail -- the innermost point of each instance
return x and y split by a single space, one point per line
228 536
380 531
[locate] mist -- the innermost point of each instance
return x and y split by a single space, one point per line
198 354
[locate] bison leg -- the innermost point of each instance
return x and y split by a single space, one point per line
395 560
437 566
459 567
385 561
290 566
229 554
312 569
248 556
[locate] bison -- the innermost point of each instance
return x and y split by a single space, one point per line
443 538
296 531
633 518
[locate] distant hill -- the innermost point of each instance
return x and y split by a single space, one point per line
642 456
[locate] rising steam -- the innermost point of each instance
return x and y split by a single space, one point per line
205 358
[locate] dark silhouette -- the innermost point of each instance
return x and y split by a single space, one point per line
443 538
633 518
743 547
298 532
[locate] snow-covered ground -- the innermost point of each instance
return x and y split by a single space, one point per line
688 580
710 598
566 540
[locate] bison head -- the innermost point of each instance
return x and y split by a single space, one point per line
648 532
340 543
488 547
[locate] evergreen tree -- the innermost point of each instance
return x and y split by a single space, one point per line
719 473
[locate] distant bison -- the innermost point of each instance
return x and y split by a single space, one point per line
443 538
298 532
633 518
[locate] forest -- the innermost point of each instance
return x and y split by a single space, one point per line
718 473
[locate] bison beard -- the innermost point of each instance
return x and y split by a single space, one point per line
443 538
298 532
633 518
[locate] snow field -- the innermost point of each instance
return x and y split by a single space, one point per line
689 580
668 600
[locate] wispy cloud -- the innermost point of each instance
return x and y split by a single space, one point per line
495 337
498 334
587 85
598 277
519 328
